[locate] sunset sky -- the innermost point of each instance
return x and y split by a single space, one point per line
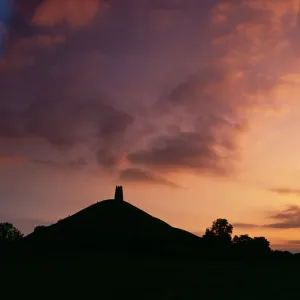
192 105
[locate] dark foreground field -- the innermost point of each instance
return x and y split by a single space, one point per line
168 262
128 277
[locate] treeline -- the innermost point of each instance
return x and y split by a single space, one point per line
217 242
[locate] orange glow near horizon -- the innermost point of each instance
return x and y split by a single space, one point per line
191 106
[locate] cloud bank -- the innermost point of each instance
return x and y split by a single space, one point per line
145 176
286 191
169 84
288 218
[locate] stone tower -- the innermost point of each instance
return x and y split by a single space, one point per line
119 193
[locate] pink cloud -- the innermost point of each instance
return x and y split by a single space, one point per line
7 160
21 50
76 13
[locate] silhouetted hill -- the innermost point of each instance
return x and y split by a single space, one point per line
113 225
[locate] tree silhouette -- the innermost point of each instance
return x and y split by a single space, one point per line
260 246
221 227
220 244
9 233
219 234
247 246
243 244
242 240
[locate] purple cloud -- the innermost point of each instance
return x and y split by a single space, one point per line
145 176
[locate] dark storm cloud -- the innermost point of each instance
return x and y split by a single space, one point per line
145 176
285 191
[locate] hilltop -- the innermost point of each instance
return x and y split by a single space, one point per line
112 225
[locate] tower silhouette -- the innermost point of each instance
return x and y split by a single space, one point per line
119 193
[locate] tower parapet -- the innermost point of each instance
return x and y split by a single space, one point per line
119 193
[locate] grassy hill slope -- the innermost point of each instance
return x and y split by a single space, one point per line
111 224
